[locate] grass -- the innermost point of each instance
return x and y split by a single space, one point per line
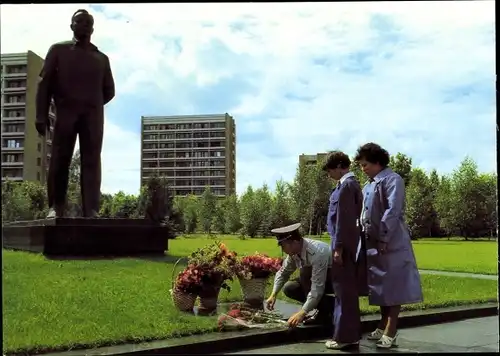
434 254
56 305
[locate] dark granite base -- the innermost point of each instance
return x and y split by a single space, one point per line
231 342
86 237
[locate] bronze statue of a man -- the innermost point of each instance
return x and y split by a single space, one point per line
78 77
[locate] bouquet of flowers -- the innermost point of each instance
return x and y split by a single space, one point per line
213 265
189 280
241 317
257 266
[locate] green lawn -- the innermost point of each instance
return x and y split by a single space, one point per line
435 254
66 304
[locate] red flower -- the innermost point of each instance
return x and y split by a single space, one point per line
258 265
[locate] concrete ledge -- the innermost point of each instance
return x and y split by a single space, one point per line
214 343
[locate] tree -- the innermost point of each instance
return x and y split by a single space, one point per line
434 187
219 216
15 204
264 203
401 164
303 197
207 207
232 213
74 196
466 197
124 206
444 205
106 205
487 214
250 214
419 204
281 206
191 213
323 187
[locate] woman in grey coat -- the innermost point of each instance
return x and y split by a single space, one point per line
393 277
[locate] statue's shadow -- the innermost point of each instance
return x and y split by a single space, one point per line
166 258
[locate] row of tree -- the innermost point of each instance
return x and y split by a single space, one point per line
463 203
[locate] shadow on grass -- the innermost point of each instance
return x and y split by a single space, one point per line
164 258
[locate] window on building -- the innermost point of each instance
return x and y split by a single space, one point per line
12 158
13 143
38 161
13 69
38 176
39 147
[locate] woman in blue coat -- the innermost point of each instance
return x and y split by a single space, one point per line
393 276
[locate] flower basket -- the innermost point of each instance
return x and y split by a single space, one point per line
183 300
254 272
214 264
253 290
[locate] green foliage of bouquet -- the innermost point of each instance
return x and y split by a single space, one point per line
214 265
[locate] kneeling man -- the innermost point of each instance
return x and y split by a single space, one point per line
314 260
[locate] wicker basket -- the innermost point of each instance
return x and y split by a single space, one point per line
182 301
253 291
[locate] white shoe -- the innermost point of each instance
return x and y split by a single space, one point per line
375 335
334 345
387 342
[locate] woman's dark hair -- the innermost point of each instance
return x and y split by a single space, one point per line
373 153
336 159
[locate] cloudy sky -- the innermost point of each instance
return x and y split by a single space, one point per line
415 77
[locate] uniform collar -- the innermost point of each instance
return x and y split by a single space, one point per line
382 174
345 176
303 253
76 43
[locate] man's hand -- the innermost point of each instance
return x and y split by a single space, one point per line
296 319
42 126
270 302
381 247
337 257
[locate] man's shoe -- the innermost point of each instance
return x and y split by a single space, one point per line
334 345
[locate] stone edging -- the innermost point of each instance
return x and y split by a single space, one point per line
236 341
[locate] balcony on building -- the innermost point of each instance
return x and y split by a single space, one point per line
14 85
14 130
13 115
12 160
15 71
12 144
14 100
14 173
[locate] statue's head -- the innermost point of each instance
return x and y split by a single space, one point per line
82 24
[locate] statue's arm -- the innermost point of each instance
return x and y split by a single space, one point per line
108 88
46 85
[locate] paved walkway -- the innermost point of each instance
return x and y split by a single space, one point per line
472 335
459 274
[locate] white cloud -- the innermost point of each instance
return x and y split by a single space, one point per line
418 55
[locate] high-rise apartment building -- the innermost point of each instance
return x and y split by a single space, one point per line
312 159
191 152
25 153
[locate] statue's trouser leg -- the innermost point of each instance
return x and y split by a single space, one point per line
63 145
90 131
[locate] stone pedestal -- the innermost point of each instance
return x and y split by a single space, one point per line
87 237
